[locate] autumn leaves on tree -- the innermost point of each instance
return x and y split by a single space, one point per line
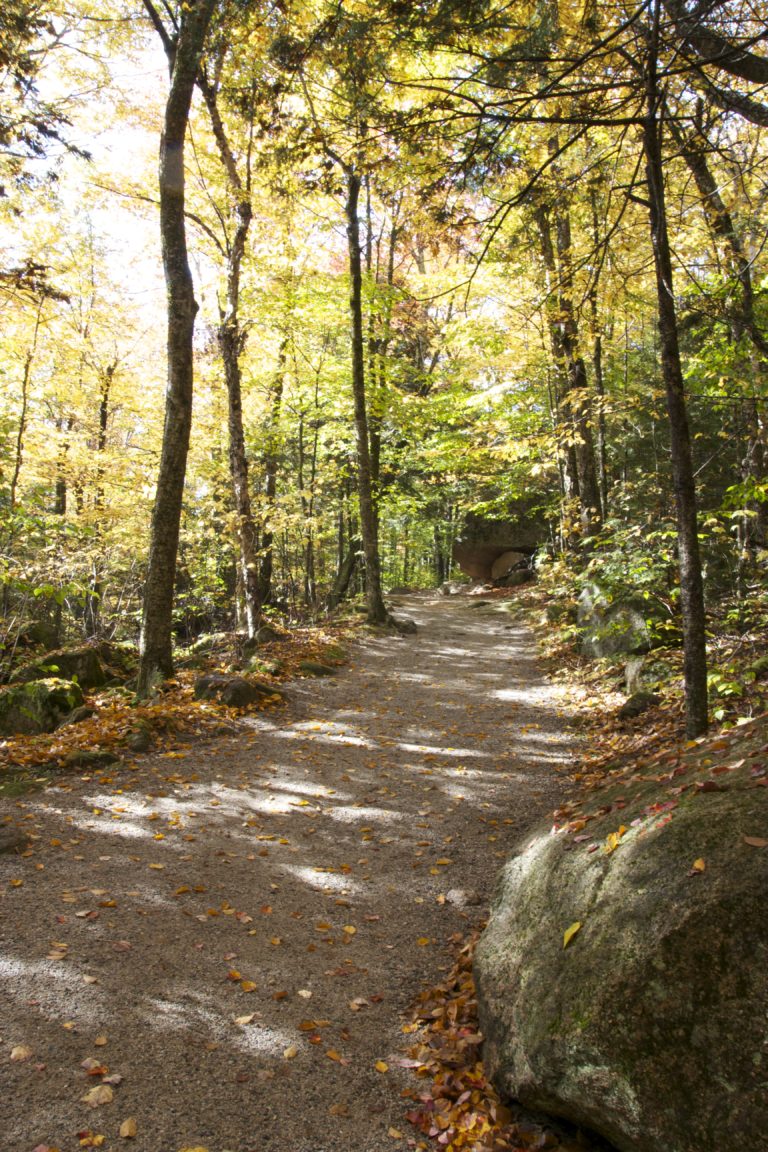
445 260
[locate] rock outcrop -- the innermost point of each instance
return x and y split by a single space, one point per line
234 691
81 664
38 706
623 978
484 542
611 628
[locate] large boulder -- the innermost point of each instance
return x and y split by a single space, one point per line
623 977
482 542
506 563
39 706
234 691
81 664
611 628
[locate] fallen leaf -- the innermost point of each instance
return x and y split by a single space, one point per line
349 929
338 1110
422 941
756 841
128 1128
381 1066
394 1133
21 1052
569 933
304 993
243 1020
290 1052
248 985
101 1094
100 1041
698 866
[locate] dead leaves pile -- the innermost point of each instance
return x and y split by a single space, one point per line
458 1109
172 715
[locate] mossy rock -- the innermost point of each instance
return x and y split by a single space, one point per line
38 633
81 664
259 667
38 706
89 758
622 981
234 691
122 659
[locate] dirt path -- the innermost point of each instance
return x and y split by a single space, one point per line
310 856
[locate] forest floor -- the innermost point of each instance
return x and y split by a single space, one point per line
218 947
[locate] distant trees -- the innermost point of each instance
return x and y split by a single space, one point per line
447 260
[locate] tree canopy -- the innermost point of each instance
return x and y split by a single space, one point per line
550 222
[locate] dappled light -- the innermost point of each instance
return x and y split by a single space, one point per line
246 907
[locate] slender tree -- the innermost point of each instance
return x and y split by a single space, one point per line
183 40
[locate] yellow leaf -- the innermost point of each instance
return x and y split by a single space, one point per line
394 1133
128 1128
247 985
349 929
100 1041
699 865
444 860
381 1066
422 941
21 1052
245 1019
291 1052
101 1094
332 1054
569 933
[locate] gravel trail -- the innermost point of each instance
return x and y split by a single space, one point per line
290 878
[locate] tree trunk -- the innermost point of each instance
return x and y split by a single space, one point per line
231 341
231 338
271 462
577 399
155 648
691 583
92 615
566 454
377 612
344 575
743 322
